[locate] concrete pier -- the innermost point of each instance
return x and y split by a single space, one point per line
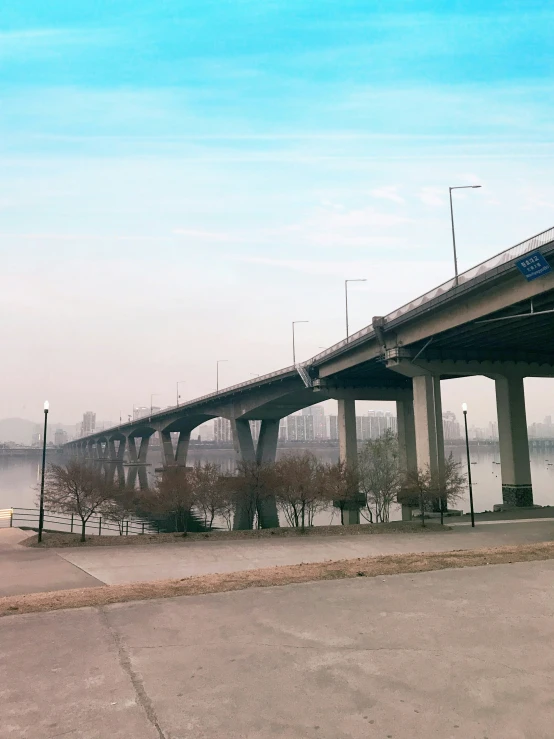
514 443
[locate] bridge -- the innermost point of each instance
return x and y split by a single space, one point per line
490 321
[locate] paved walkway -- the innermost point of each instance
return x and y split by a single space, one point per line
26 570
465 654
156 562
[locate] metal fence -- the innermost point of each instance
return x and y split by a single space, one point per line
28 518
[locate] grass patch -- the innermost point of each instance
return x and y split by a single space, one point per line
350 568
58 539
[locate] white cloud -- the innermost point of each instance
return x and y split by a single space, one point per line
432 196
389 192
203 235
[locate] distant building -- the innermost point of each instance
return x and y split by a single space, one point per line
88 423
222 430
60 437
143 411
451 427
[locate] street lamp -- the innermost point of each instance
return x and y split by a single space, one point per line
217 373
293 343
180 382
464 409
152 395
346 301
41 508
459 187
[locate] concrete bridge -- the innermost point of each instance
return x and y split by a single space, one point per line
491 321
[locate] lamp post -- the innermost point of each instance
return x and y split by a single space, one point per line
180 382
41 507
464 409
459 187
293 342
152 395
217 373
346 301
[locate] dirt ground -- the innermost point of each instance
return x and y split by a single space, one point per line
362 567
59 539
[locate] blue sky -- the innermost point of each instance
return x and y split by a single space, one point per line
181 180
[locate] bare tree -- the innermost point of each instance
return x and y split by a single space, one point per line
339 485
429 489
298 487
123 506
77 488
380 477
252 485
209 491
172 497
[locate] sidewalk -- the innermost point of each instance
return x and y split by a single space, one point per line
454 654
139 564
26 570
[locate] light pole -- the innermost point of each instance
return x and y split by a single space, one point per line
180 382
217 373
293 342
346 301
464 409
152 395
41 507
459 187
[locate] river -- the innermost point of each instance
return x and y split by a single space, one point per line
19 477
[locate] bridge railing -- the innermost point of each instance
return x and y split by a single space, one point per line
28 518
545 237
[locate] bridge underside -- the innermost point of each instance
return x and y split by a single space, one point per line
496 325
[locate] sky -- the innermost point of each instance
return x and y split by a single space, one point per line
180 180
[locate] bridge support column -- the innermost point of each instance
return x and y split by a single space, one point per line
406 447
130 447
112 454
182 447
428 425
264 454
168 455
514 444
143 449
348 450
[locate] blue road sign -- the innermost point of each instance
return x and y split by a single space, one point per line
533 265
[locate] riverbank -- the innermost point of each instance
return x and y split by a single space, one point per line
58 539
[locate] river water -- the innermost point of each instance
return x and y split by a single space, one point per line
19 477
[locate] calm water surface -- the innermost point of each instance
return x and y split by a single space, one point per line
19 477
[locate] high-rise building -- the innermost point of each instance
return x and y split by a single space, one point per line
60 437
333 428
88 424
451 427
222 430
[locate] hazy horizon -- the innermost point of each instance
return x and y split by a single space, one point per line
180 182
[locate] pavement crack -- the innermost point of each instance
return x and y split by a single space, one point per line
142 696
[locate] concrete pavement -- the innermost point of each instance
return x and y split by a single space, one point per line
465 654
116 565
28 570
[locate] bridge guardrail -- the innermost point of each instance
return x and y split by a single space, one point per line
28 517
545 237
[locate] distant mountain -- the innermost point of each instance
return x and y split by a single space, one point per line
21 431
17 429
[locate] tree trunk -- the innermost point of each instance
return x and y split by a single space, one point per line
422 507
83 528
303 515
